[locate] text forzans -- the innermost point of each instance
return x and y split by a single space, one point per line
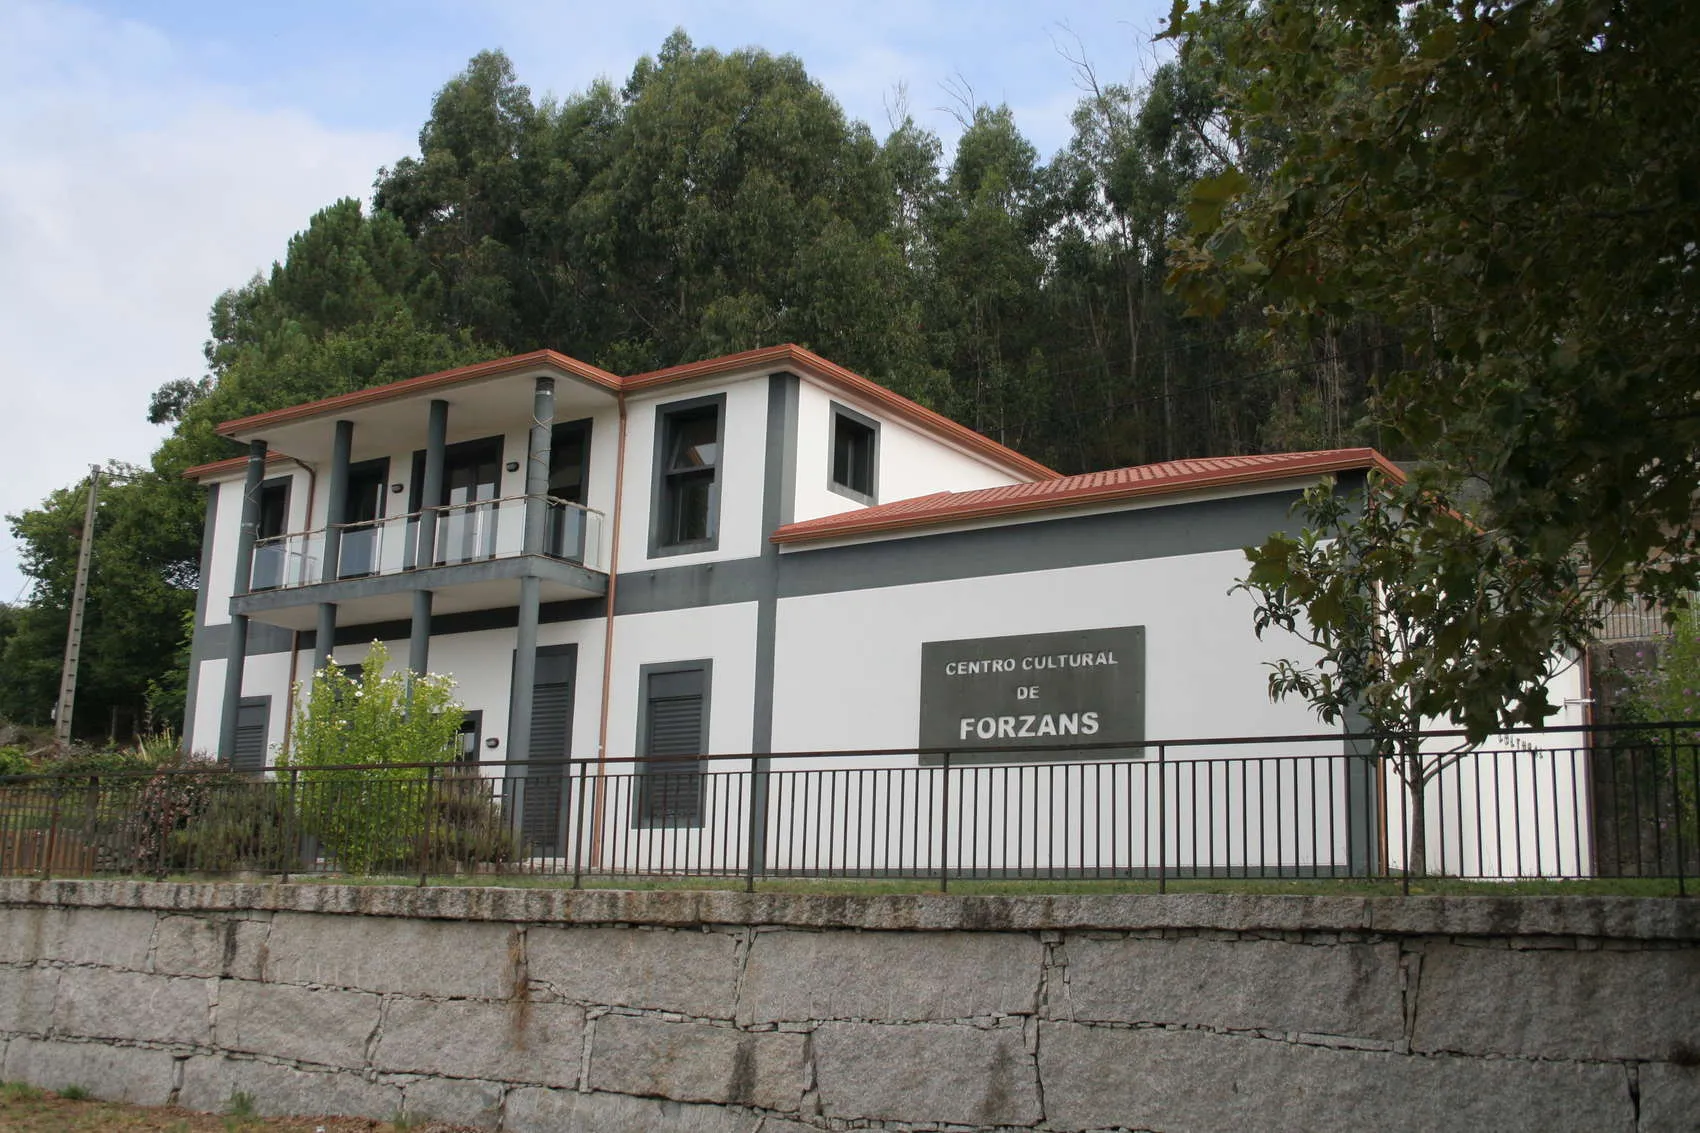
1024 727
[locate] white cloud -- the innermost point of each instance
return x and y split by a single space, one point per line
130 196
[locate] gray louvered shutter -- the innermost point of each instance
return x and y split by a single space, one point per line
250 753
551 717
672 787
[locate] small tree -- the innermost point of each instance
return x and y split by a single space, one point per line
1669 693
1417 615
364 749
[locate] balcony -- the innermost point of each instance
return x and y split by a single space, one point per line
474 562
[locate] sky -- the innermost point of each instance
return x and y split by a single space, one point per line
154 154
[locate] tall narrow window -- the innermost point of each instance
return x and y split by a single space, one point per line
271 555
362 511
855 454
569 473
672 734
687 466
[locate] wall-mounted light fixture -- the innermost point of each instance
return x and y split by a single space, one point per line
492 742
396 487
513 466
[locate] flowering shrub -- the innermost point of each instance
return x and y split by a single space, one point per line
370 817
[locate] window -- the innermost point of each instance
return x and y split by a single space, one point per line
271 558
687 476
672 732
855 452
569 472
362 509
569 460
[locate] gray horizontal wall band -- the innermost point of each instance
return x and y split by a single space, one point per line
1124 536
686 587
1088 540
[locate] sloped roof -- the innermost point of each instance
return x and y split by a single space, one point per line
1114 485
788 356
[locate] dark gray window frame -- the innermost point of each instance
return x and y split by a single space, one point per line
658 477
832 484
706 667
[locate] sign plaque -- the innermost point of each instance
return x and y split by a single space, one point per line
1036 692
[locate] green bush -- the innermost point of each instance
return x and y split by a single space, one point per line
467 826
82 760
372 816
243 825
1669 692
14 762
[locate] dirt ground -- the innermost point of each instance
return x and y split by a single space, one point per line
27 1110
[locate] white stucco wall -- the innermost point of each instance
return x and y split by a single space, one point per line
848 671
742 465
226 515
911 462
265 674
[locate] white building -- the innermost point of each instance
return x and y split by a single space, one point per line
765 555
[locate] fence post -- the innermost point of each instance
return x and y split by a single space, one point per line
944 830
425 839
1412 803
1677 805
578 827
1162 819
290 843
755 844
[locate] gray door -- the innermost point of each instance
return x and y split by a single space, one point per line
544 788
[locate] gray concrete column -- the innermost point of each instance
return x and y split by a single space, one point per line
431 487
525 636
419 639
336 498
324 638
237 656
525 672
537 464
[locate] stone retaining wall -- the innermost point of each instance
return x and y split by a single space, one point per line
532 1010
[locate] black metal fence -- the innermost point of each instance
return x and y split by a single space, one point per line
1558 803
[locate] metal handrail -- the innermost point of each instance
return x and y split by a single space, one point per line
1087 749
590 522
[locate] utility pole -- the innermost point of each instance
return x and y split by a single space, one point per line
74 637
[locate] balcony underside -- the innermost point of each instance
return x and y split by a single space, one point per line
488 585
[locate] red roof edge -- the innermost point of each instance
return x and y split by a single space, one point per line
788 354
496 367
955 507
229 464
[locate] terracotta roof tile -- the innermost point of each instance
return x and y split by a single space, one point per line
1078 491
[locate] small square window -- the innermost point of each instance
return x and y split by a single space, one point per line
855 452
